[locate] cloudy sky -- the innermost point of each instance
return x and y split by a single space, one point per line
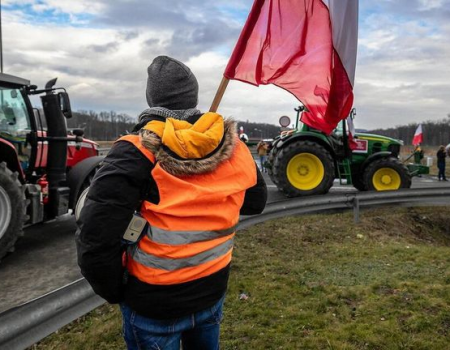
100 49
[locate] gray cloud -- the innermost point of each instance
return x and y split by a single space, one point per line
157 14
416 9
128 35
185 44
402 72
104 48
197 26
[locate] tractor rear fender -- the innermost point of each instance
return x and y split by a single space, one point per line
308 136
78 175
8 154
373 157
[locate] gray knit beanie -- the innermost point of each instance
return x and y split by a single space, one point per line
171 85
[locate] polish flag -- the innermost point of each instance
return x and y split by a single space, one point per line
305 47
418 136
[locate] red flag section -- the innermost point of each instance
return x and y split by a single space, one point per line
289 43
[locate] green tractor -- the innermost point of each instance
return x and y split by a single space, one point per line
306 161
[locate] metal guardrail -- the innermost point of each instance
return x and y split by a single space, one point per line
103 151
25 325
354 200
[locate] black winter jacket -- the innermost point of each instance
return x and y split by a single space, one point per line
119 186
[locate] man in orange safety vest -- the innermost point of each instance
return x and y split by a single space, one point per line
185 178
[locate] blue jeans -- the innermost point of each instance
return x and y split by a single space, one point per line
441 166
262 161
199 331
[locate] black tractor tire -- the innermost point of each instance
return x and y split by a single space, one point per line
303 168
81 176
270 160
358 182
12 207
386 174
88 180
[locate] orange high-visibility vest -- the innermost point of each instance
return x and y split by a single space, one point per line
191 229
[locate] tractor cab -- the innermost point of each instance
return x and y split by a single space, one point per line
14 119
15 122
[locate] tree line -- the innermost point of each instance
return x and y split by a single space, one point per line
103 126
108 126
435 133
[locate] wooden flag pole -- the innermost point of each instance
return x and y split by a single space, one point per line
219 94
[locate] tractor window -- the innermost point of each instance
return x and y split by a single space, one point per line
14 119
339 129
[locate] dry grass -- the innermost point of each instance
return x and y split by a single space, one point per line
322 282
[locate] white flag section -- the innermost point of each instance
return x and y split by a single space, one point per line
351 134
418 136
344 24
351 126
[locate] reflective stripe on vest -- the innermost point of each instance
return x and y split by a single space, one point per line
192 228
159 235
167 277
175 264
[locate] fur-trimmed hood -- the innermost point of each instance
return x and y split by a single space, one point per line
183 149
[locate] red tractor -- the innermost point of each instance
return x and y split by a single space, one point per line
43 168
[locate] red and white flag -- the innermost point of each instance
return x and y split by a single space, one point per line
305 47
418 136
351 134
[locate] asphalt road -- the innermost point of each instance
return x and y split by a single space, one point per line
45 258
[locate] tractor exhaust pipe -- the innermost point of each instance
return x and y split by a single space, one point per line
57 150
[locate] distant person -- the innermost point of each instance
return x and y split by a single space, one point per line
418 155
189 178
261 149
441 155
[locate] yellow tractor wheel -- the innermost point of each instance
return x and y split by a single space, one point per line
303 168
386 174
305 171
386 179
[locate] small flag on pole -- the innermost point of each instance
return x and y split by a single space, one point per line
418 136
305 47
351 134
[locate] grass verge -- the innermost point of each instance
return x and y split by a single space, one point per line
322 282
